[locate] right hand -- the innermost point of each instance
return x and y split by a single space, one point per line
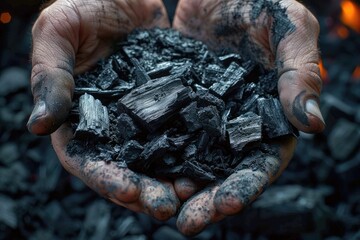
69 37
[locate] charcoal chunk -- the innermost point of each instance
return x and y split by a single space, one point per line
130 152
212 74
275 123
120 67
126 128
161 70
156 101
190 117
155 150
139 74
227 59
108 78
94 118
210 120
233 77
243 131
198 171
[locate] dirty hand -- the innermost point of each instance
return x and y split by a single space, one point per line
276 33
69 37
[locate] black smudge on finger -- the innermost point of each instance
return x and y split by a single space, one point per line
299 111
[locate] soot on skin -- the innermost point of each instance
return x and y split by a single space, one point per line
233 24
298 109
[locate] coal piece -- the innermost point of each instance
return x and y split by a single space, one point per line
244 130
155 102
94 119
275 123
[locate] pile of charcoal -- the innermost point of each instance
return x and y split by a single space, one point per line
166 105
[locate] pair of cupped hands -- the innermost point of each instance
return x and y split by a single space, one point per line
70 36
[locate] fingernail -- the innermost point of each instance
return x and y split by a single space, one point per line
38 111
312 107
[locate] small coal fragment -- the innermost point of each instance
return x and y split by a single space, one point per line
140 74
210 120
109 78
121 67
130 152
275 123
126 128
244 130
205 98
154 150
156 101
227 59
94 118
190 117
161 70
212 74
195 170
233 77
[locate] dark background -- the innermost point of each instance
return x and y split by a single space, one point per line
317 197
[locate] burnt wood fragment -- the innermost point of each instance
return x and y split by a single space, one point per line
130 152
139 73
227 59
205 98
109 78
195 170
161 70
121 67
212 74
243 131
126 128
94 118
275 123
155 102
155 150
210 120
190 117
233 77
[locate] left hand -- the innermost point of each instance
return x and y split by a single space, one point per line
279 34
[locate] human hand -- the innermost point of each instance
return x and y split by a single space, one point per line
281 34
68 38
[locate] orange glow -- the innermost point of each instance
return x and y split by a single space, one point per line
5 17
356 73
342 32
350 15
323 72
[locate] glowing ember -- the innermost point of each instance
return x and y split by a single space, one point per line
342 31
5 17
356 73
323 71
350 15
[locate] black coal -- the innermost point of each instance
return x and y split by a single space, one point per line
168 106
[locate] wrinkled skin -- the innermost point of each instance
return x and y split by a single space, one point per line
71 35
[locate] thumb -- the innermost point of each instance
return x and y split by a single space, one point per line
299 75
52 80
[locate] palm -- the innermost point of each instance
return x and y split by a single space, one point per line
280 34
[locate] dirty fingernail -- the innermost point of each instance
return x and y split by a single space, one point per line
312 107
38 111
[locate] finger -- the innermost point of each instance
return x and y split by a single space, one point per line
120 185
297 57
156 199
105 178
198 212
185 188
254 174
53 57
